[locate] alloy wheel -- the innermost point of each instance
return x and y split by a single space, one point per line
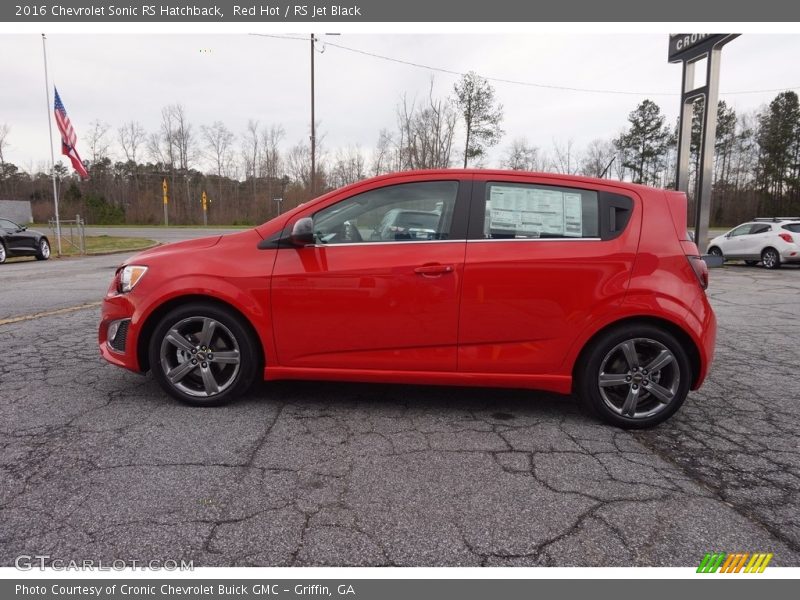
200 357
44 249
639 378
770 259
2 253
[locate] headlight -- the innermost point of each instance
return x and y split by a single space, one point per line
130 276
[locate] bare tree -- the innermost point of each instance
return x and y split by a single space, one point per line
218 142
482 116
597 160
131 136
184 138
161 145
384 157
348 167
98 140
566 160
5 130
522 156
426 134
298 164
271 163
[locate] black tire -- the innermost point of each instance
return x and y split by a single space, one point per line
3 253
751 263
715 251
43 249
234 336
604 357
770 258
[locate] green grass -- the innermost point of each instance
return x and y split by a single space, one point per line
101 244
97 244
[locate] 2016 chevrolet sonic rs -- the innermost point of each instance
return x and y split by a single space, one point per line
480 278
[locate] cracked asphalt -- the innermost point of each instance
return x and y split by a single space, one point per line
96 462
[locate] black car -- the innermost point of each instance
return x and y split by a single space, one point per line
17 240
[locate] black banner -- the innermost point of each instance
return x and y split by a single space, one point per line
392 589
98 11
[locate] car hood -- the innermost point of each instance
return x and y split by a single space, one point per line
172 248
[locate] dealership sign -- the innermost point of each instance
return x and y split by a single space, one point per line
685 46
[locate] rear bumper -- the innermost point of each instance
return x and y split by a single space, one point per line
790 254
704 326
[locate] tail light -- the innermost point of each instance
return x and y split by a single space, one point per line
700 269
786 237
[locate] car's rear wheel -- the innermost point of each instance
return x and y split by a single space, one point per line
770 258
715 251
203 354
43 250
3 253
634 376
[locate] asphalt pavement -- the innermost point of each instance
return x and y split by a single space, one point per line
96 462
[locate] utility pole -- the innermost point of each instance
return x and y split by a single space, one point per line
313 125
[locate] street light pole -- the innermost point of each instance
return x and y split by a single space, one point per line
313 125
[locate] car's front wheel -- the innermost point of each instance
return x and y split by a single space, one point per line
43 250
3 253
203 354
715 251
770 258
634 376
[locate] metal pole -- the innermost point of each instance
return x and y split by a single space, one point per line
52 154
685 129
706 171
313 125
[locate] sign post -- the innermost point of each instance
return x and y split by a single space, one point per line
689 48
166 201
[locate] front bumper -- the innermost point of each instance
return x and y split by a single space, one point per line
121 352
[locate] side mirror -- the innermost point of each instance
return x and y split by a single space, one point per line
23 228
302 233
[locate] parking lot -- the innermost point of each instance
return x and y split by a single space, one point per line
96 462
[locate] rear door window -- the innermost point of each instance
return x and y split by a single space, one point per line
529 211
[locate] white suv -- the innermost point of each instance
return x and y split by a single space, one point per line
772 241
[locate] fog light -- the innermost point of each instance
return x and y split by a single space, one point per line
113 329
118 334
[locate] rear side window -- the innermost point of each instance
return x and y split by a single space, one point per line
793 227
760 229
516 210
537 211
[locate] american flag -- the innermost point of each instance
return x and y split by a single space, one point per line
68 137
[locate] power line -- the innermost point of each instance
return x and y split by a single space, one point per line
514 81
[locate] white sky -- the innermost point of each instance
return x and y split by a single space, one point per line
116 78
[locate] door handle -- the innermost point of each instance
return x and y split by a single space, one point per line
434 269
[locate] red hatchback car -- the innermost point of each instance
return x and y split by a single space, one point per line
473 277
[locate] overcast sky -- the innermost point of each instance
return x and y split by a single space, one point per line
239 77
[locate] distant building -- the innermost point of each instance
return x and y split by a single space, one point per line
18 211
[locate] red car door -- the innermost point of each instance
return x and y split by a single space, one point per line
542 260
371 296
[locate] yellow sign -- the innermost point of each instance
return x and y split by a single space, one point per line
164 189
204 200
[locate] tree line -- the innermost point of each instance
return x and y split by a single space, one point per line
756 167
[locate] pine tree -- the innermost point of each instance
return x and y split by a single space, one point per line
482 115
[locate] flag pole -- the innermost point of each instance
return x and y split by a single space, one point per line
52 154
